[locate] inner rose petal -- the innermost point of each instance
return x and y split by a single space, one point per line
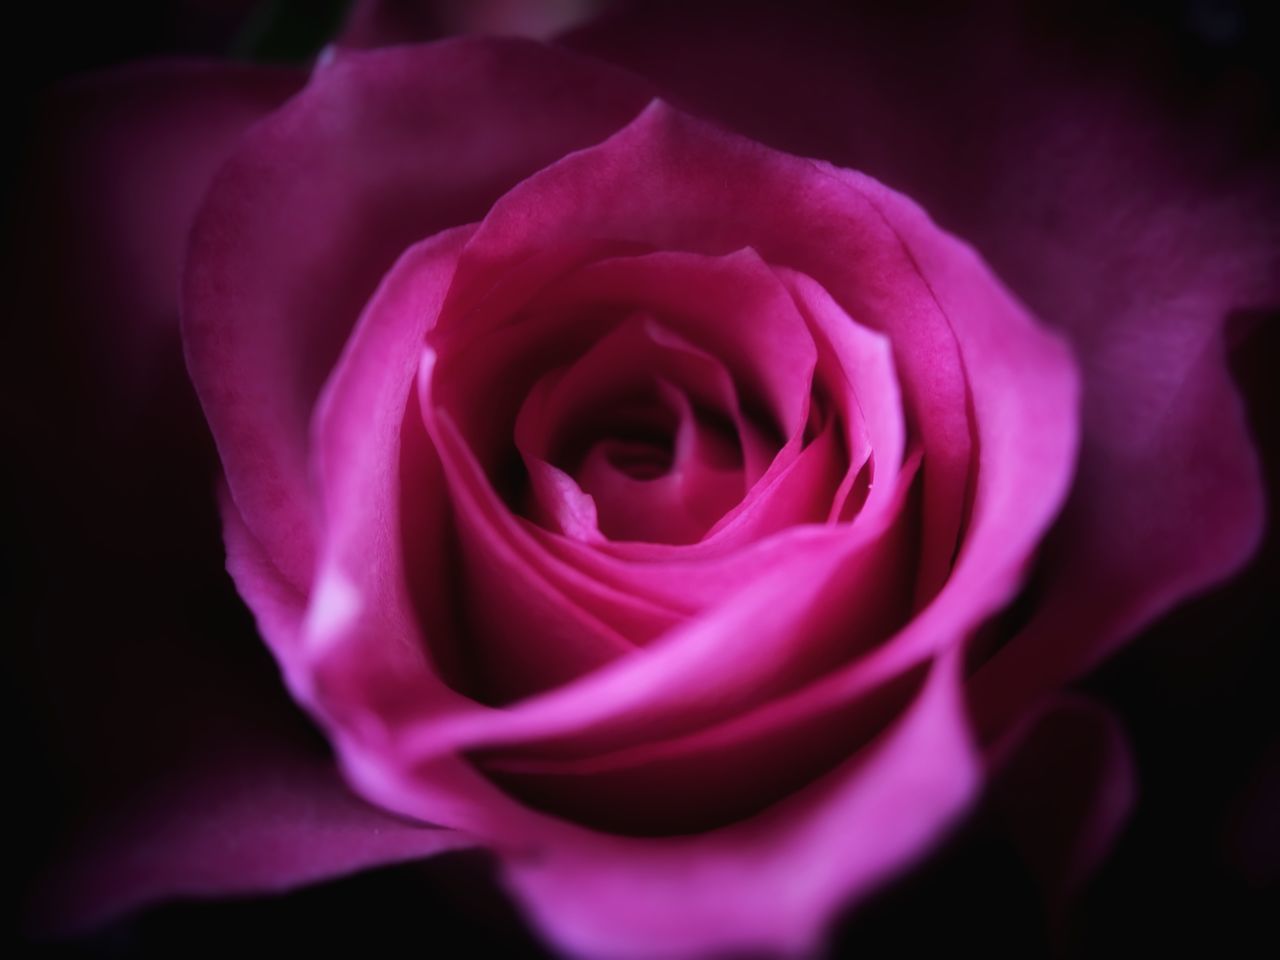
714 776
733 196
723 330
505 599
856 389
669 493
732 306
640 699
628 435
855 363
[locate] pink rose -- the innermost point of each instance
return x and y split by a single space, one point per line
629 487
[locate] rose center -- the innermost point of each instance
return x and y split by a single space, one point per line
638 459
647 464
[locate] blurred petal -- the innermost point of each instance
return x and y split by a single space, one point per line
117 167
1064 787
261 821
183 767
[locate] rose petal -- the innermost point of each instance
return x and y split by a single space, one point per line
512 543
507 606
710 777
1133 227
384 147
740 886
186 770
702 481
103 265
866 387
266 820
706 192
358 436
627 384
772 883
664 692
1017 491
731 306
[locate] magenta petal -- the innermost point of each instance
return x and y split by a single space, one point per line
278 607
865 387
672 182
379 151
803 491
266 820
673 502
561 503
512 557
187 770
732 306
709 382
508 593
796 614
648 466
1132 227
702 376
1178 508
362 464
364 658
774 882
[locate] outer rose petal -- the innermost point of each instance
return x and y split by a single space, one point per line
266 817
773 883
120 162
379 151
185 773
1084 199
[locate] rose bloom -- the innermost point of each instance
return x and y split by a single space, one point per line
685 462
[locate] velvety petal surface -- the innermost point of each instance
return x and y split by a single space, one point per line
381 150
266 819
772 883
